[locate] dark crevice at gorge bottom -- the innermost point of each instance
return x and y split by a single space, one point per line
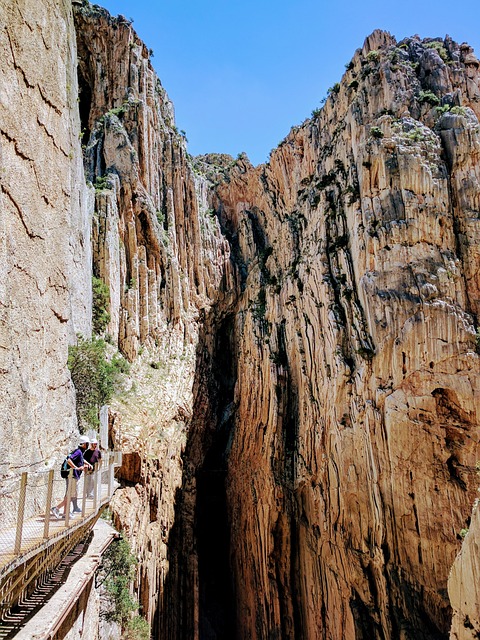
216 597
199 542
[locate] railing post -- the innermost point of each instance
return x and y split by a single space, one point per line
71 480
111 461
21 512
84 496
48 503
97 475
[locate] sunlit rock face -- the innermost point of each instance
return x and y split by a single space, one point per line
304 461
159 248
345 378
300 423
45 274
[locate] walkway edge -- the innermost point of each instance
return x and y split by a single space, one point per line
44 624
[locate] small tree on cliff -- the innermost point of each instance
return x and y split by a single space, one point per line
94 376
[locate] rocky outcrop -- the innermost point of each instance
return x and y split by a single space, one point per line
45 279
463 584
153 242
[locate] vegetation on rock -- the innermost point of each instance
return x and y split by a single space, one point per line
116 574
101 301
94 376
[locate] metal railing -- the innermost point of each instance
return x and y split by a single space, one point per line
28 498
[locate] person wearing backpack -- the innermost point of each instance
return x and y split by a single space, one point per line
76 462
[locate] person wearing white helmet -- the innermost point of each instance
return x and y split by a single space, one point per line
76 462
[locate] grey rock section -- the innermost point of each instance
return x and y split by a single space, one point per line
45 255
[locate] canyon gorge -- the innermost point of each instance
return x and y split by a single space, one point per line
300 421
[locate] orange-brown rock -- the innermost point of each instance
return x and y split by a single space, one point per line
161 252
322 464
355 434
463 584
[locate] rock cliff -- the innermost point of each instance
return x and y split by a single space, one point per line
300 423
344 382
45 279
161 252
350 462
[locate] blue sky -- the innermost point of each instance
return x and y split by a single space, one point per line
242 73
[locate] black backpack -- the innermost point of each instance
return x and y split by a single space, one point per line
65 468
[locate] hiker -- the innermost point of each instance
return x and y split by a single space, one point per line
76 462
91 455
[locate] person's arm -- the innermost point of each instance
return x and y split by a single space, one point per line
72 464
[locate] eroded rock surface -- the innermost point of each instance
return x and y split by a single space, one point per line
161 252
345 378
45 275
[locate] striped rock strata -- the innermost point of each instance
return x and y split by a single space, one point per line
344 382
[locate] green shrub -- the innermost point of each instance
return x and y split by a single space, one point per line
101 183
94 377
429 97
373 56
116 574
438 46
101 302
376 132
442 109
137 628
334 89
415 135
117 111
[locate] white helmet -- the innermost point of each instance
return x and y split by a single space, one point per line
83 440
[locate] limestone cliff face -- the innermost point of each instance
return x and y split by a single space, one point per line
349 466
341 434
161 252
45 277
463 585
305 417
153 244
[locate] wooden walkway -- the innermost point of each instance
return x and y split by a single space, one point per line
33 531
37 543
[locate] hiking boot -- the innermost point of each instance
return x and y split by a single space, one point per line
55 512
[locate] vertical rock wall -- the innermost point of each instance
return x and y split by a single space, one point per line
160 250
351 462
45 281
300 425
311 416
